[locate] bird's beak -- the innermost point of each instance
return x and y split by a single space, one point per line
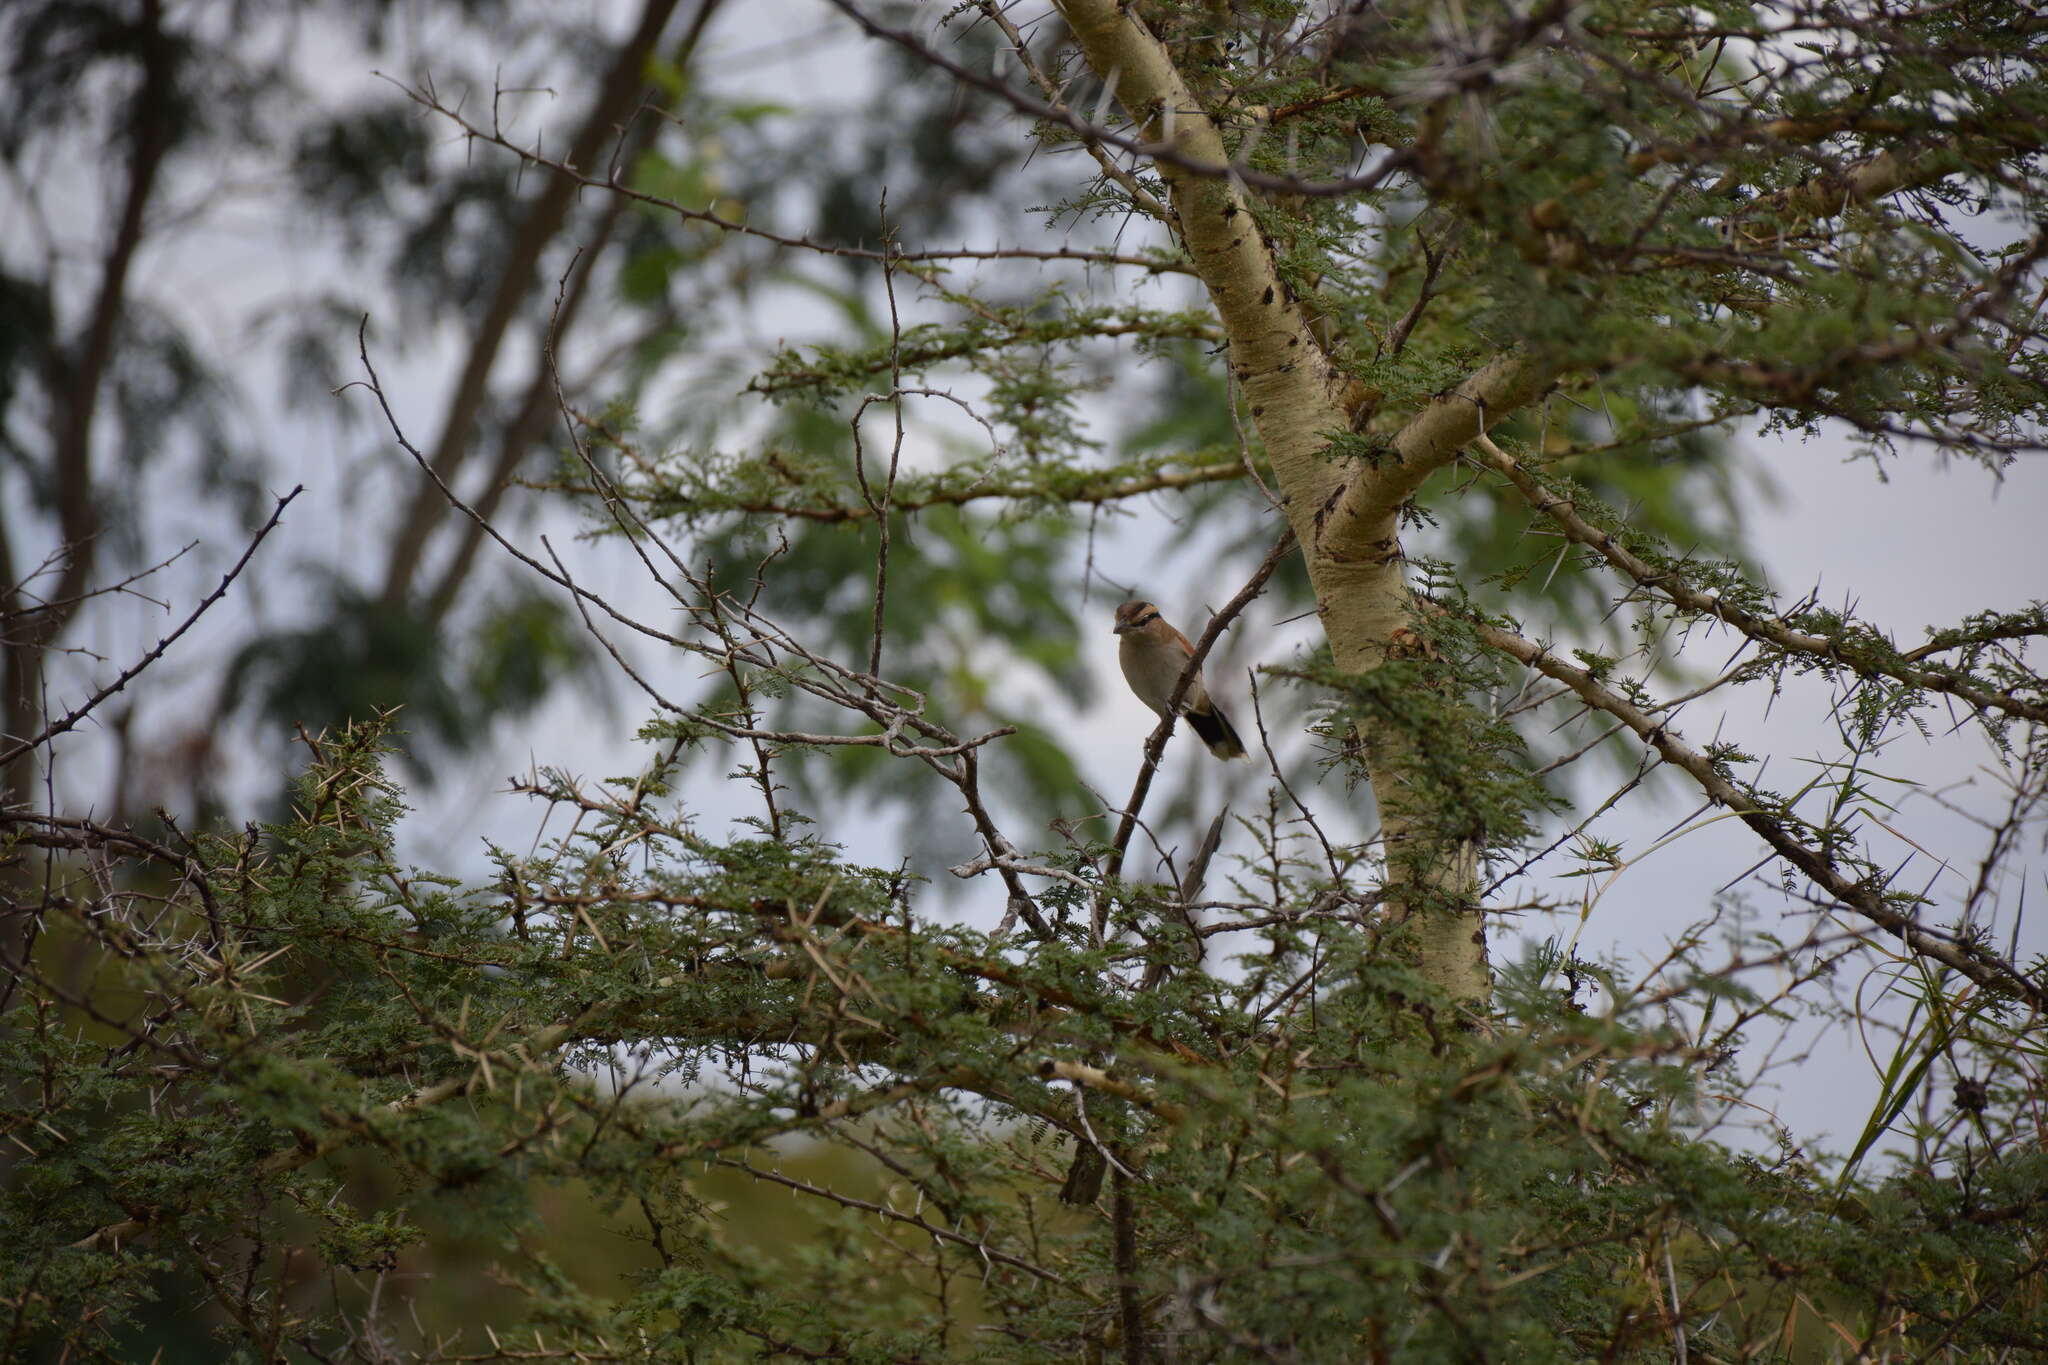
1118 629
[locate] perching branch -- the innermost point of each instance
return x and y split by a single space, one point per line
1155 743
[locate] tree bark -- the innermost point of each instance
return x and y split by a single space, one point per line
1344 515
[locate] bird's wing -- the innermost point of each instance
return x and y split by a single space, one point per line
1197 698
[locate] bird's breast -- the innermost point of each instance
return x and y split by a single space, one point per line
1152 672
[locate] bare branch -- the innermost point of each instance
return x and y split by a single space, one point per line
85 708
1971 959
1869 657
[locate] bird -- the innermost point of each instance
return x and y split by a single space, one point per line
1154 655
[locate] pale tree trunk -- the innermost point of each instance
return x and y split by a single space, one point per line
1343 514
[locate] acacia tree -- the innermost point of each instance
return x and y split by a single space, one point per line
1446 256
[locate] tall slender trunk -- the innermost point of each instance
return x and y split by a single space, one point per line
1343 515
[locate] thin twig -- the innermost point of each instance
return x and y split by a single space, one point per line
84 709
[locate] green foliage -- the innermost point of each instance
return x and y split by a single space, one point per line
1332 1179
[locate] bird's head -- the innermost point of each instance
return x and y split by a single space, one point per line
1135 614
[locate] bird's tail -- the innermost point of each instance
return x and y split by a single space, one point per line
1216 731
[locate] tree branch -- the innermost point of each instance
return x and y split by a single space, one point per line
85 708
538 226
1868 656
1978 963
1361 522
1155 744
